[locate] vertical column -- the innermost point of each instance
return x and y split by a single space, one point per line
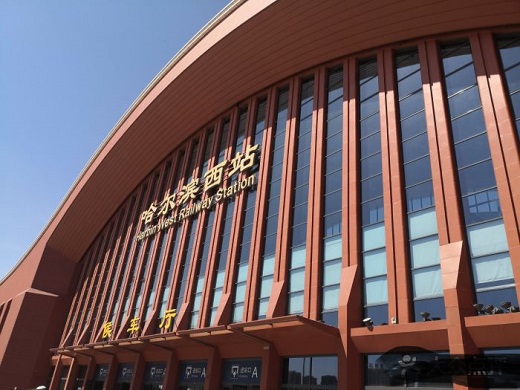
387 126
419 263
73 312
271 373
120 310
254 286
454 261
172 237
218 252
278 300
151 262
400 283
213 371
89 291
124 257
172 370
115 267
234 220
189 230
221 147
137 377
266 249
349 312
56 375
313 271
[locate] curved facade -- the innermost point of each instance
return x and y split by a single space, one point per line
314 189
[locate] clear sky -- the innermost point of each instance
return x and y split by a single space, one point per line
68 71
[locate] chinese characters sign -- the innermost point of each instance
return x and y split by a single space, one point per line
166 323
200 193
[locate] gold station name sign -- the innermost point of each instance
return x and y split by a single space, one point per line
201 193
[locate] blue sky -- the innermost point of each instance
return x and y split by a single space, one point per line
68 71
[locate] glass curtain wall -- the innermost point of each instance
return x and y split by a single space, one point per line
159 256
298 234
175 237
247 224
332 239
420 206
229 207
220 270
206 240
273 203
186 256
486 236
375 284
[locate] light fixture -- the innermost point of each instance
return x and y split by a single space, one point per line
426 316
509 307
368 322
490 309
479 308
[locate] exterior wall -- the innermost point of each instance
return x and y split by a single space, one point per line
189 241
278 267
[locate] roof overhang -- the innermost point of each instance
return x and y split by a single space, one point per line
235 340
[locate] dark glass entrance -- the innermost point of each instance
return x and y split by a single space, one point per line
125 372
100 377
154 376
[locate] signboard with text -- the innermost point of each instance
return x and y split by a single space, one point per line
242 371
154 372
193 372
101 372
125 372
202 193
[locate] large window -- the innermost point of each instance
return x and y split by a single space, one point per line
273 203
207 231
301 198
220 270
310 372
420 206
202 264
486 236
191 227
372 216
243 253
332 242
502 368
174 240
225 243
